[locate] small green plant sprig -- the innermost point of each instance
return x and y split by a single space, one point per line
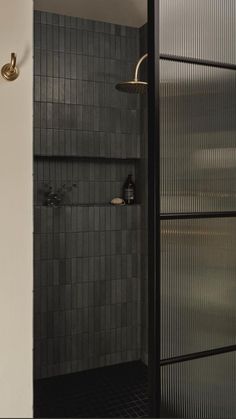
56 198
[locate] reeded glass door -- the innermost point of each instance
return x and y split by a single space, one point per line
197 208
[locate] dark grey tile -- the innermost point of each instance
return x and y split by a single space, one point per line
99 26
37 35
37 16
55 58
73 67
43 63
61 34
73 40
79 41
73 92
61 65
49 36
37 88
49 89
67 65
67 91
90 43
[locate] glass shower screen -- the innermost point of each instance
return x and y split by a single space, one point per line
198 207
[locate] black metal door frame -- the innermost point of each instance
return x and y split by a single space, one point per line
154 216
153 211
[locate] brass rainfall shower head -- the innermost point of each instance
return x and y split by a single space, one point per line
134 86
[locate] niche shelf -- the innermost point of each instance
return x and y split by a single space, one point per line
107 205
85 158
67 159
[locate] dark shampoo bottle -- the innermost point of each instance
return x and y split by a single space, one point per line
129 191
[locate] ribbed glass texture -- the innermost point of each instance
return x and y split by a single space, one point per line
203 388
198 285
199 28
198 174
197 138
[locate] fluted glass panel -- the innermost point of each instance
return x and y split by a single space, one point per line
198 285
203 388
197 138
199 28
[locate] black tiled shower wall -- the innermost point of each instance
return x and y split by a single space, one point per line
87 253
86 287
77 109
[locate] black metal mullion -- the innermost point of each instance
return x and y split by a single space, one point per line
153 211
197 355
197 215
197 61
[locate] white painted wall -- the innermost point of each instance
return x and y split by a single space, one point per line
122 12
16 226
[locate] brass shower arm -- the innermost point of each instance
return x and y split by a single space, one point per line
138 66
135 85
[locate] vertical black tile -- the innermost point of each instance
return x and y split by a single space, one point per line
49 37
49 89
61 64
73 68
37 35
61 34
43 63
37 89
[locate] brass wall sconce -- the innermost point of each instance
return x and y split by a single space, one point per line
10 71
